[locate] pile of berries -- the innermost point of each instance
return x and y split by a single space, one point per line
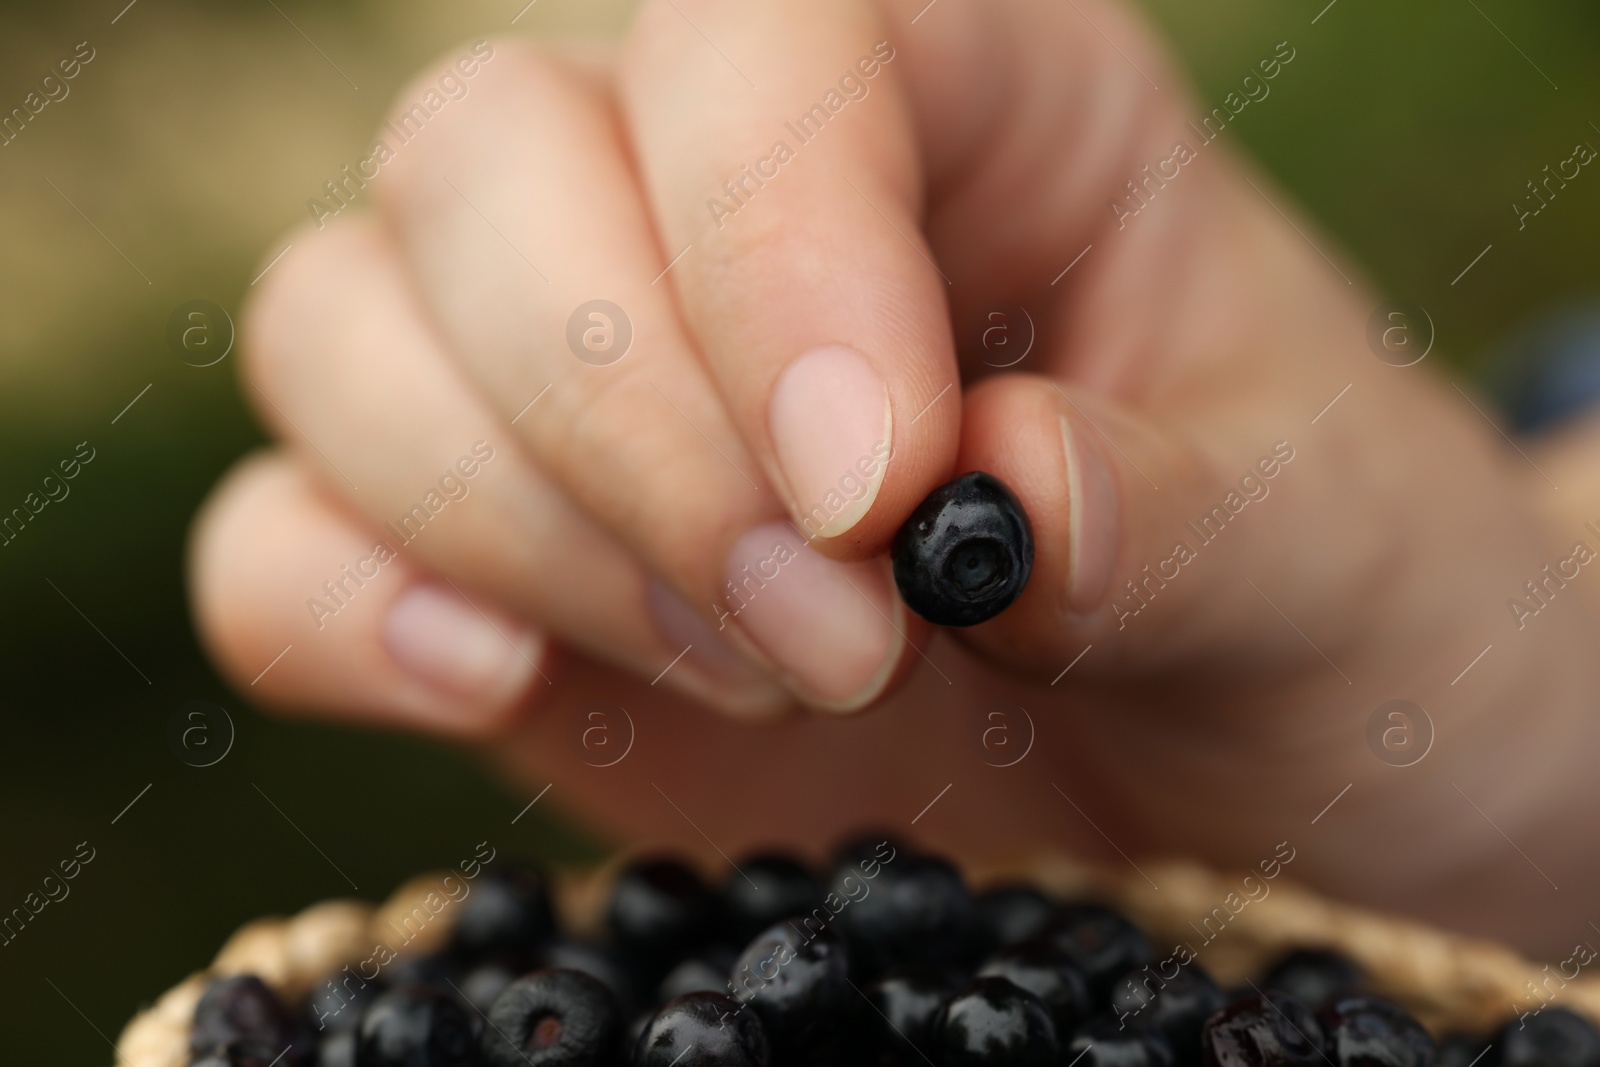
887 961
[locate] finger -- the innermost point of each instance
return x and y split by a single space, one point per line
1168 540
531 170
343 364
804 277
409 650
1143 537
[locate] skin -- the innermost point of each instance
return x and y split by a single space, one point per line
1187 343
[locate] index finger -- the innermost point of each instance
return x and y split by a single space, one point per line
779 156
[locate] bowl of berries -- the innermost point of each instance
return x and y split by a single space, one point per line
885 956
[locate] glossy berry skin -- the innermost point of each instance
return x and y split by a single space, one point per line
1316 976
507 918
660 911
767 888
1104 1042
1041 968
240 1017
965 553
1555 1037
597 961
1270 1030
915 912
702 1030
907 1001
1008 914
415 1026
992 1023
1373 1032
1176 1007
797 979
553 1018
1102 942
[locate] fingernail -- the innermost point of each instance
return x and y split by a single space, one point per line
446 643
826 624
710 666
1096 520
830 424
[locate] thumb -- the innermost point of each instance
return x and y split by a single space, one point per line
1153 542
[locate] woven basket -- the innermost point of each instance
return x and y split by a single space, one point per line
1449 982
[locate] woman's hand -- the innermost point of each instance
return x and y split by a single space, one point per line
1250 532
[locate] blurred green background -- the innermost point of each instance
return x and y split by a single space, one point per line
191 143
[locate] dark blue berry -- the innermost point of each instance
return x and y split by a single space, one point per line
1104 1042
415 1026
1008 914
1040 967
907 1000
706 972
597 961
1458 1050
1316 976
1102 942
335 1004
767 888
1373 1032
1270 1030
660 911
433 969
553 1018
992 1023
798 981
965 553
241 1017
916 911
702 1030
1176 1006
1554 1037
506 918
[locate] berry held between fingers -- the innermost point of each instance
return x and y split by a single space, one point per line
965 553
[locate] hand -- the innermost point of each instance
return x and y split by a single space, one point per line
1249 531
